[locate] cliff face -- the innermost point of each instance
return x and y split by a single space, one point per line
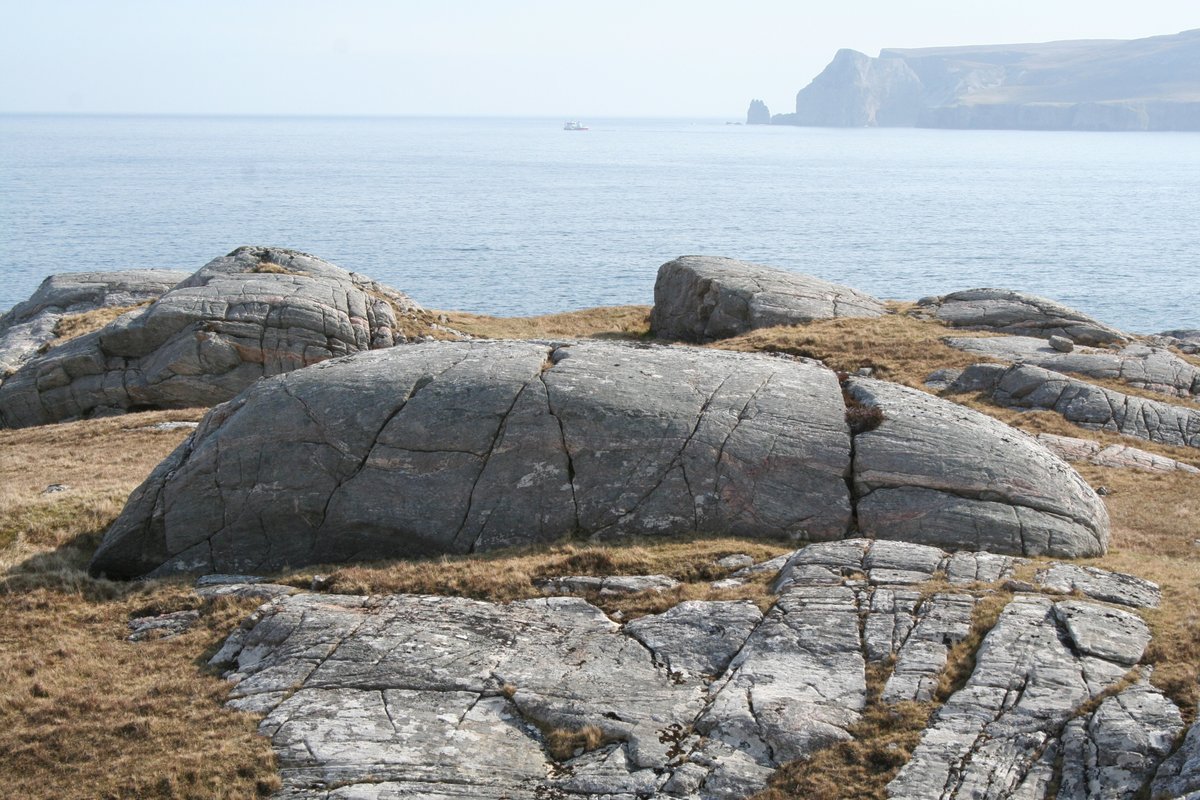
1143 84
758 113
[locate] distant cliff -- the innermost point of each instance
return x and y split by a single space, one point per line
1140 85
758 113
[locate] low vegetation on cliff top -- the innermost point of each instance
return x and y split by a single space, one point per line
85 713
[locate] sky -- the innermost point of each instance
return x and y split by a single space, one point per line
560 58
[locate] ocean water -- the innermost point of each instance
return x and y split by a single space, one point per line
517 216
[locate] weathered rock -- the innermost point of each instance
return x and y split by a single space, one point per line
26 328
1141 366
1083 403
700 298
941 379
254 313
1018 313
461 447
1185 340
162 626
938 623
1062 344
735 561
1179 775
947 476
614 584
1114 751
454 447
1100 584
1069 448
989 739
697 638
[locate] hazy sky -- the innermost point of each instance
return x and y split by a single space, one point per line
563 58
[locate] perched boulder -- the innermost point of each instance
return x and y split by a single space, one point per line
457 447
256 312
944 475
1083 403
28 327
700 298
1155 369
1018 313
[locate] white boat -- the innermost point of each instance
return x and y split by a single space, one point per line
574 126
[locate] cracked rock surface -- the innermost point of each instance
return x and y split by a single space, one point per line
469 446
1152 368
253 313
1018 313
701 298
1087 405
30 325
1070 448
441 697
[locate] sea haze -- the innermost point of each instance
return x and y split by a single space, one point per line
517 216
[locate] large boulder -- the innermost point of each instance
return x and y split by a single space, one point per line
1017 313
701 298
29 326
455 447
255 312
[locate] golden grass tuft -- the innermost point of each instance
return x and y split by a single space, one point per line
609 322
74 325
271 268
562 743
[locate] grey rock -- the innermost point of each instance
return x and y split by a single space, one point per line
1062 344
1184 340
1141 366
987 740
735 561
1108 633
758 113
770 565
246 591
917 479
697 638
1018 313
700 298
982 567
1070 448
1089 406
256 312
940 622
454 447
161 626
28 327
1099 584
1113 752
941 379
1179 775
728 583
615 584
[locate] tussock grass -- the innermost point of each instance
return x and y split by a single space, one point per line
271 268
73 325
609 322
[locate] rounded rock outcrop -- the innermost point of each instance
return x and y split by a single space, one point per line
701 298
256 312
457 447
1018 313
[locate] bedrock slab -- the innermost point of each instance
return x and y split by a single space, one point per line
1085 404
1017 313
1121 456
941 474
256 312
701 298
29 326
1142 366
459 447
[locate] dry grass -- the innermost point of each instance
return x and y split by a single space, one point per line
610 322
86 714
897 347
271 268
73 325
562 744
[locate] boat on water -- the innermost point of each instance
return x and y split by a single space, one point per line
574 125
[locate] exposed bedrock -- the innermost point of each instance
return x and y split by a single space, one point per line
443 697
256 312
1069 448
1018 313
29 326
940 474
457 447
1187 340
1085 404
1141 366
701 298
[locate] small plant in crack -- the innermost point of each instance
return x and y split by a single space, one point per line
565 743
862 418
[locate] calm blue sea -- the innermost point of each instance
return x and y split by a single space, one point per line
517 216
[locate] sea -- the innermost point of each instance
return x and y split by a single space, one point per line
519 217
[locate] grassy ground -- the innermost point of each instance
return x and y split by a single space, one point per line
85 713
